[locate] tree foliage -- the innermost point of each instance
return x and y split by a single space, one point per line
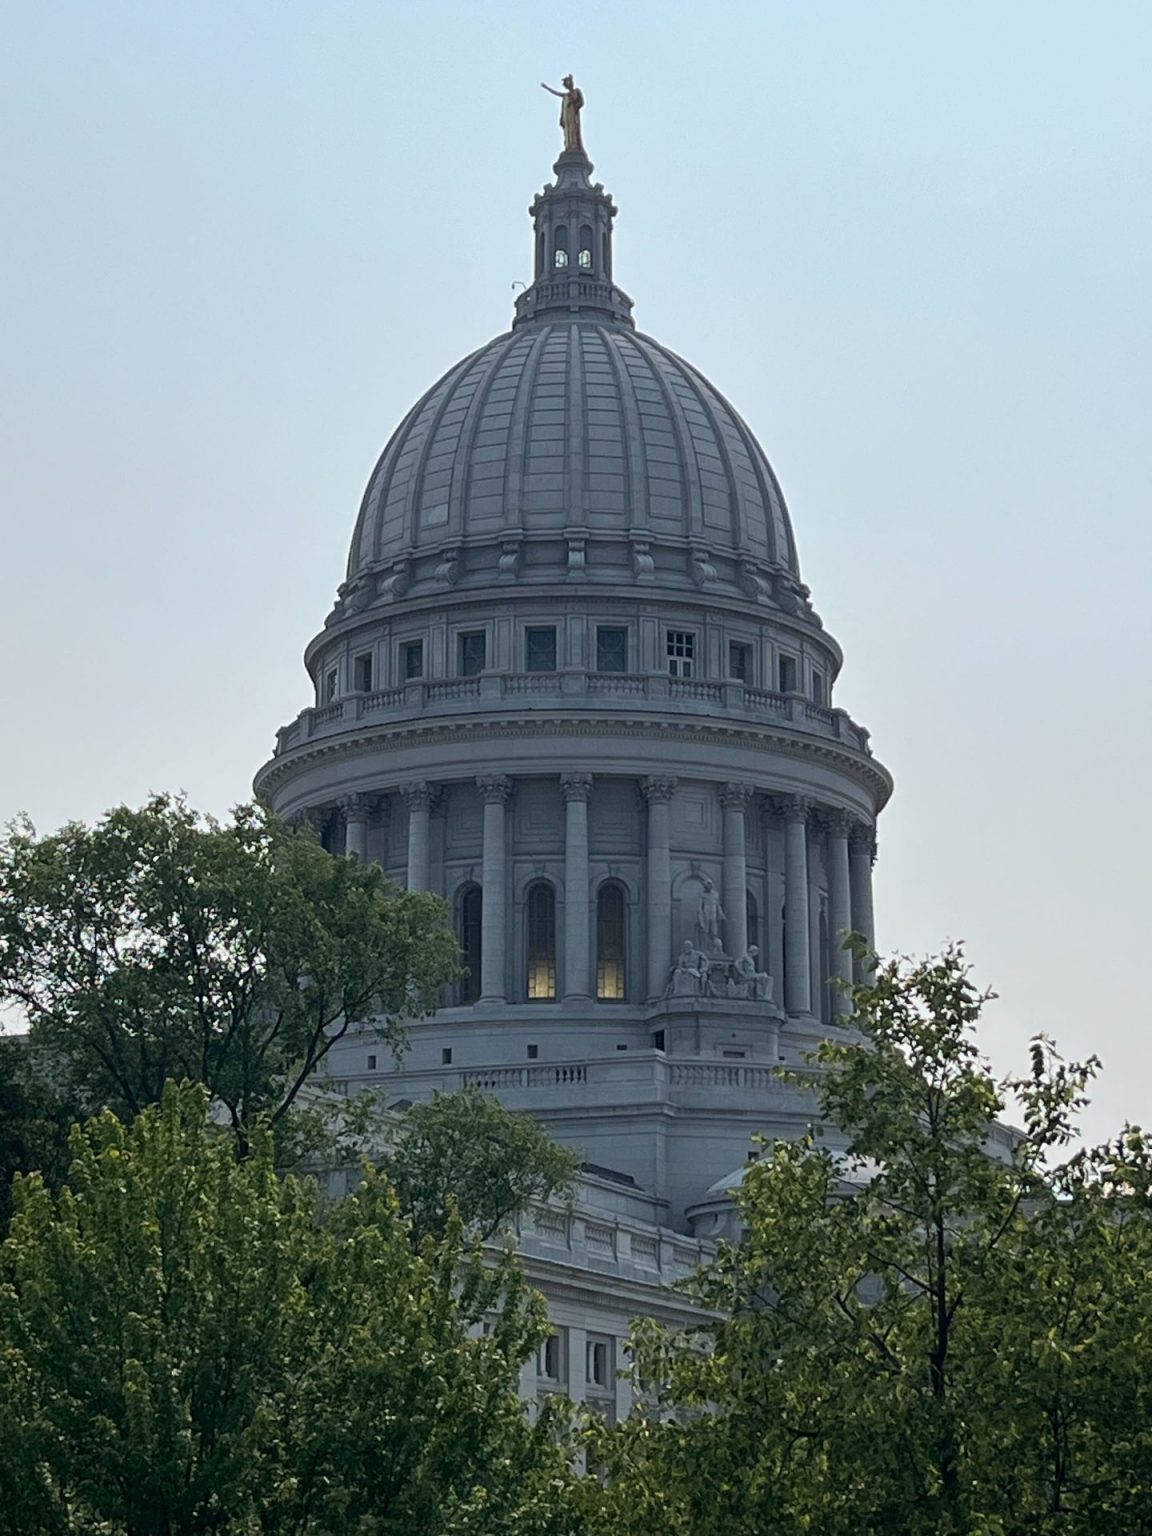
188 1345
34 1123
465 1154
942 1328
160 944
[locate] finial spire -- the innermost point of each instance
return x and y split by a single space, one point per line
573 222
571 104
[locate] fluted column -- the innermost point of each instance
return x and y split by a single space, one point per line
734 798
839 905
658 792
357 809
419 797
861 853
577 791
494 791
797 973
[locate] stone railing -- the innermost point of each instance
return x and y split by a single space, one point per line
551 1232
492 691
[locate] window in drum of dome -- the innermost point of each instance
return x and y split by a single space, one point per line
330 680
541 905
739 661
362 672
611 649
681 645
787 674
413 660
540 649
598 1370
584 260
610 943
818 689
469 929
473 652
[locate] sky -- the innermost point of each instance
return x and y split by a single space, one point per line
911 242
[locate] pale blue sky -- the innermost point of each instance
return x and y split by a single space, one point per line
910 241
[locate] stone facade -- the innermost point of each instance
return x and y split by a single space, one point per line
574 684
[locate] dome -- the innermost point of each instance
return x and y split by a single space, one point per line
572 421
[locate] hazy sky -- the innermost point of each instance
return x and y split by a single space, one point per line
910 241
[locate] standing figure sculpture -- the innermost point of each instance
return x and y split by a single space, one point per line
709 918
571 101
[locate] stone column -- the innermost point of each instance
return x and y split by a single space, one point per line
658 792
419 797
797 976
839 905
577 791
494 791
861 853
357 809
734 798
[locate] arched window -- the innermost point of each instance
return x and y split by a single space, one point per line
584 260
560 246
754 924
541 911
611 943
469 929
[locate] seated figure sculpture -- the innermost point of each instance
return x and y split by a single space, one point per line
758 984
690 973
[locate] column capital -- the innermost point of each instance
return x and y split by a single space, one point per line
735 797
494 788
792 807
837 823
862 839
576 786
419 795
357 807
658 790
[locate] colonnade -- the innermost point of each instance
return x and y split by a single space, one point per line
849 852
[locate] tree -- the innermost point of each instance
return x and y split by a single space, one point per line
465 1154
159 944
34 1123
188 1344
943 1327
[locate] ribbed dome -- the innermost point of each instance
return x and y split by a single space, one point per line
571 422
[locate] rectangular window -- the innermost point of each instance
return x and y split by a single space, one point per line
412 656
787 674
473 652
540 650
658 1039
362 672
819 692
550 1359
681 647
533 1052
611 649
739 661
330 678
446 1056
371 1063
598 1367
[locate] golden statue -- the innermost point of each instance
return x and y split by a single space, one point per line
571 99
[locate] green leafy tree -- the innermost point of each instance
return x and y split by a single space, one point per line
160 944
466 1154
189 1344
34 1123
942 1328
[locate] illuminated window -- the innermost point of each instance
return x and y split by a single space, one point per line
610 944
681 649
541 941
585 261
470 911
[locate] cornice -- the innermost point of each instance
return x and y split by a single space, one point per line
443 732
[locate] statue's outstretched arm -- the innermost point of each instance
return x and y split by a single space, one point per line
551 89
